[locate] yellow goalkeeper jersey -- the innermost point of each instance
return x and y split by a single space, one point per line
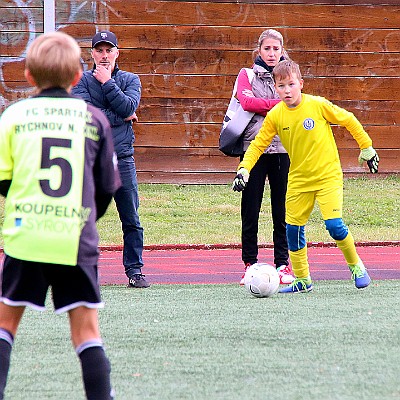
305 131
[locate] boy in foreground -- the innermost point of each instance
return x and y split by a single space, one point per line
58 174
302 122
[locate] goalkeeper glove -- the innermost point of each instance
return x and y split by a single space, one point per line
241 179
371 157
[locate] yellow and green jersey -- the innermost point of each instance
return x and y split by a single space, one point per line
305 132
57 152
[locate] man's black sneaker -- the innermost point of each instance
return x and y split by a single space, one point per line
138 281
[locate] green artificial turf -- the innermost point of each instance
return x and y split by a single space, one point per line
218 342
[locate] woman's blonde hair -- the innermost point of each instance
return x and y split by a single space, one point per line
53 59
270 34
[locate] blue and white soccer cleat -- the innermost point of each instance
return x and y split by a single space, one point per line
299 285
359 275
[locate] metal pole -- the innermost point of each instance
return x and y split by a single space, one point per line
49 16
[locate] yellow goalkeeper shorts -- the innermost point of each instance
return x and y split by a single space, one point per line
299 205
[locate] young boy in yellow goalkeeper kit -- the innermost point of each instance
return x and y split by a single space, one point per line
302 122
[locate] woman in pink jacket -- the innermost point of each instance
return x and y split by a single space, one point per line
256 93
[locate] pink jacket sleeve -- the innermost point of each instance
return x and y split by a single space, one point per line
252 104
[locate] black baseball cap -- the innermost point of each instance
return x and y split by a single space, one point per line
104 37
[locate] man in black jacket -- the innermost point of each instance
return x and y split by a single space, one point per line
117 94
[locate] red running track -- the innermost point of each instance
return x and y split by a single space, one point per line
224 265
197 266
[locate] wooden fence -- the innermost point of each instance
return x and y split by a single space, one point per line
187 55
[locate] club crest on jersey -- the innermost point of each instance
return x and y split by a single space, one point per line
308 124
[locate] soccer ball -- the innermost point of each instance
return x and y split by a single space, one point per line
261 280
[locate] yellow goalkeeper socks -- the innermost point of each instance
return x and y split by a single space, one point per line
348 249
299 262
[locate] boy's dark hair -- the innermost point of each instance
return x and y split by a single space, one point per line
286 68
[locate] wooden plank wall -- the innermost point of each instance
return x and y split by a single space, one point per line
187 55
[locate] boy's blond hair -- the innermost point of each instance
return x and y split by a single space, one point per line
286 68
53 59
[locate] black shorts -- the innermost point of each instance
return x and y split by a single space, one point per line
26 283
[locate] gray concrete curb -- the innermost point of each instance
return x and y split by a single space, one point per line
220 246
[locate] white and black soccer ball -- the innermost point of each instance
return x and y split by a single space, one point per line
261 280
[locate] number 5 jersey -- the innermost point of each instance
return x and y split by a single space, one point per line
57 152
